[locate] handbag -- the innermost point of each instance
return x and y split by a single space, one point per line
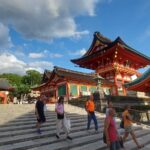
67 123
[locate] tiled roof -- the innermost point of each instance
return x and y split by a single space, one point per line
139 80
75 75
102 41
46 76
108 44
4 85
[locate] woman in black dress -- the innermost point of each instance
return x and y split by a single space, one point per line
39 112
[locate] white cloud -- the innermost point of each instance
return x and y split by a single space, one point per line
78 52
45 53
11 64
40 66
46 19
55 55
5 40
36 55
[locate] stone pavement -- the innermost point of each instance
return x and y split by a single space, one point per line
17 130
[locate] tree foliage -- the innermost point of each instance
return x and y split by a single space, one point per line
23 84
13 79
32 78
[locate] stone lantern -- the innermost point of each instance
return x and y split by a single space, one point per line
99 94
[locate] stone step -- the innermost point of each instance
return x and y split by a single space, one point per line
67 144
29 137
102 146
147 147
91 146
18 131
141 140
33 135
31 129
46 140
76 143
48 120
74 122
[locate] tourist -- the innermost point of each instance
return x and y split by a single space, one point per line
61 118
90 108
127 119
112 138
39 112
109 106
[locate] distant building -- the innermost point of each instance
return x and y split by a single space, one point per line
5 88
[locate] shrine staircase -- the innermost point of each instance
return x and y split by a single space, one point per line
18 132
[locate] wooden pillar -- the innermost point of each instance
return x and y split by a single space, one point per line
4 98
78 90
124 89
67 90
115 81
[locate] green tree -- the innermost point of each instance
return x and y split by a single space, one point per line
32 78
23 84
13 79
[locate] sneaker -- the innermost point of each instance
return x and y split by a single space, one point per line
57 136
69 138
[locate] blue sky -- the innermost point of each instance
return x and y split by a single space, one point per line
41 34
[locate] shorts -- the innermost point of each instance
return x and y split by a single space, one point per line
41 119
128 129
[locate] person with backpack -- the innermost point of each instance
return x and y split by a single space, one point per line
59 109
127 124
110 131
90 109
39 112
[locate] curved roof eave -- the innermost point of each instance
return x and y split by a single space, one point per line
138 80
117 40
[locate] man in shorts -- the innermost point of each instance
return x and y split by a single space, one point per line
128 126
39 112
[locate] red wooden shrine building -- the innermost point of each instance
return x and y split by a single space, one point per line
114 61
69 83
